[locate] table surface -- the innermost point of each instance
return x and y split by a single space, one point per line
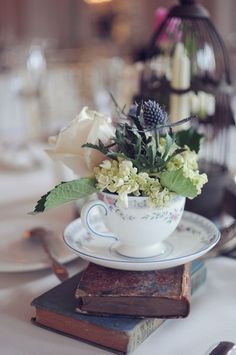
212 317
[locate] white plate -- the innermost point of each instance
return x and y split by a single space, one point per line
194 236
18 254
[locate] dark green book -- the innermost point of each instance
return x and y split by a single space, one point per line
55 310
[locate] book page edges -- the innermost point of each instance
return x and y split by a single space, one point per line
164 307
82 329
186 287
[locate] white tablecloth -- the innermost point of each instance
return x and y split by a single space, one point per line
212 317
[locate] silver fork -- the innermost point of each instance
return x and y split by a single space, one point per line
222 348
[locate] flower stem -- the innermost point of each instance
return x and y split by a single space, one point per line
156 135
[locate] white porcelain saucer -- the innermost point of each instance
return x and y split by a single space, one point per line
194 236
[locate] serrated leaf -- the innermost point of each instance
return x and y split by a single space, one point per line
169 142
137 148
115 155
159 163
150 156
100 148
176 181
119 139
153 145
137 121
189 137
129 133
66 192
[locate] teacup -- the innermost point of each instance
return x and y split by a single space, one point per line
139 229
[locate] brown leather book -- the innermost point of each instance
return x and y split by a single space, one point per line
158 294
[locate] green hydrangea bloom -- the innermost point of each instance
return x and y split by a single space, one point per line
162 145
122 178
187 161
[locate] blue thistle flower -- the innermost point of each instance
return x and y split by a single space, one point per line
153 114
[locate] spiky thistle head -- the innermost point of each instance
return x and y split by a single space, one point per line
153 114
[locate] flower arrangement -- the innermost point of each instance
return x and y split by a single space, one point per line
141 155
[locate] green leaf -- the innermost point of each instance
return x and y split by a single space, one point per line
66 192
189 137
154 147
139 127
115 155
100 148
150 156
176 152
129 133
169 142
176 181
159 163
119 138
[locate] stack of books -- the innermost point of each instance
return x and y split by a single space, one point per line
117 310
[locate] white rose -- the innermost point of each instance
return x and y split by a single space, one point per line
88 127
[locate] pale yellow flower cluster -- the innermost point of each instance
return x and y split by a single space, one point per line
159 196
187 161
162 145
122 178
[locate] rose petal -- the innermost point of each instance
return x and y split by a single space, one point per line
73 161
88 127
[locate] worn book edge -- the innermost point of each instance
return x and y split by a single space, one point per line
182 300
75 337
186 287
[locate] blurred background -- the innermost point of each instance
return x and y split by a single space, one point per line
57 56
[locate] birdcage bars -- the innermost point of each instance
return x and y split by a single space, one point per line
203 62
191 23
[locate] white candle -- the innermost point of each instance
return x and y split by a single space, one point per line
181 73
174 107
180 68
184 107
211 105
194 102
202 104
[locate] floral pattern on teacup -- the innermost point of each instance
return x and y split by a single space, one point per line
134 202
167 215
124 216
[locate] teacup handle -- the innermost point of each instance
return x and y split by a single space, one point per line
85 218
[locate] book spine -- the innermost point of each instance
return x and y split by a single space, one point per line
149 325
186 288
198 278
142 332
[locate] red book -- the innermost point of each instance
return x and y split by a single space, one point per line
158 294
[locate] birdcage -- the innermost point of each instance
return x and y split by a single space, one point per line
187 70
